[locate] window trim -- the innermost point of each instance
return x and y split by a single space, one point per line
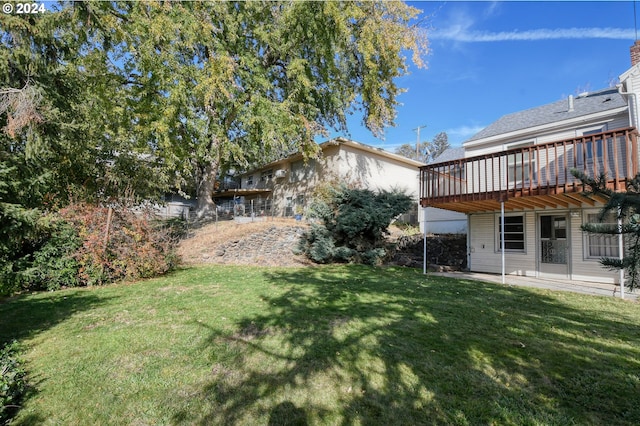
514 178
266 175
586 246
498 238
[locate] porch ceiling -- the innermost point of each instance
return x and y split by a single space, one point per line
515 202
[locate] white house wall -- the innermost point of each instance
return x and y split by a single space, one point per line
339 162
620 120
378 173
440 221
484 254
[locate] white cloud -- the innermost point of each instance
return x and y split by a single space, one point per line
461 33
463 132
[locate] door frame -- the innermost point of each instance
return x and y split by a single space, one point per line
551 270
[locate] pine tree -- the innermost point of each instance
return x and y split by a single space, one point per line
625 206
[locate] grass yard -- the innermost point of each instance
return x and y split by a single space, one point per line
336 345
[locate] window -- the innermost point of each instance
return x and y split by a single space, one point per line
513 233
266 175
521 167
250 180
597 245
288 206
592 148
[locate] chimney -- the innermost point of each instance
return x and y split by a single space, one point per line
635 53
570 103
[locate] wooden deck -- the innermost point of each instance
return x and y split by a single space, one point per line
534 176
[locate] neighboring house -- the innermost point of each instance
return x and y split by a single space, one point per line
285 187
522 163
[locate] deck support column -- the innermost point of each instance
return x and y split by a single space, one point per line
502 237
620 252
424 250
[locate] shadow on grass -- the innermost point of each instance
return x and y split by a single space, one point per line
31 314
356 345
26 315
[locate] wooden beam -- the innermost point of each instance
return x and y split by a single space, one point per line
555 201
581 198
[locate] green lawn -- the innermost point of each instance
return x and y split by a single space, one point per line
337 345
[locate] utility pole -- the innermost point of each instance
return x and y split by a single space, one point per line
418 140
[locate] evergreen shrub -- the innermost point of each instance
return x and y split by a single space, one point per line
353 226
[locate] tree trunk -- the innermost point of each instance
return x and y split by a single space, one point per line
206 207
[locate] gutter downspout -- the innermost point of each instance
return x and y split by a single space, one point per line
633 117
633 120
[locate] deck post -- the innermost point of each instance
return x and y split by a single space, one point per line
620 249
502 237
424 250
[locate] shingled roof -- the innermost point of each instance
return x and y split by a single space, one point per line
584 104
449 154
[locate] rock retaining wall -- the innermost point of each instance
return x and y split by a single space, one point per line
271 247
274 245
444 252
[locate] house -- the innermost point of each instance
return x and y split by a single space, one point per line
521 164
285 187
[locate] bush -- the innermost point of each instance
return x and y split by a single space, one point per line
74 248
54 265
131 247
354 225
12 384
317 244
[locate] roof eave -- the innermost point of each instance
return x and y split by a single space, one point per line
336 142
532 131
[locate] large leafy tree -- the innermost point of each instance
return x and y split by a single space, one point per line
221 84
181 91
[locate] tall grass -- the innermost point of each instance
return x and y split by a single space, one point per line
327 345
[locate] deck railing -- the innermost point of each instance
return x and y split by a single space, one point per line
533 170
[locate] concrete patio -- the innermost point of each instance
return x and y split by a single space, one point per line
593 288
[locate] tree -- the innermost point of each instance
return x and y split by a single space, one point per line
211 85
200 87
63 108
624 206
63 133
439 144
426 151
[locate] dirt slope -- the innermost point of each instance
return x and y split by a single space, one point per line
267 243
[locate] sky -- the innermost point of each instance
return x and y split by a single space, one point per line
488 59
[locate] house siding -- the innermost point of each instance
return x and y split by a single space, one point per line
583 268
440 221
618 121
485 255
376 173
339 162
483 229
